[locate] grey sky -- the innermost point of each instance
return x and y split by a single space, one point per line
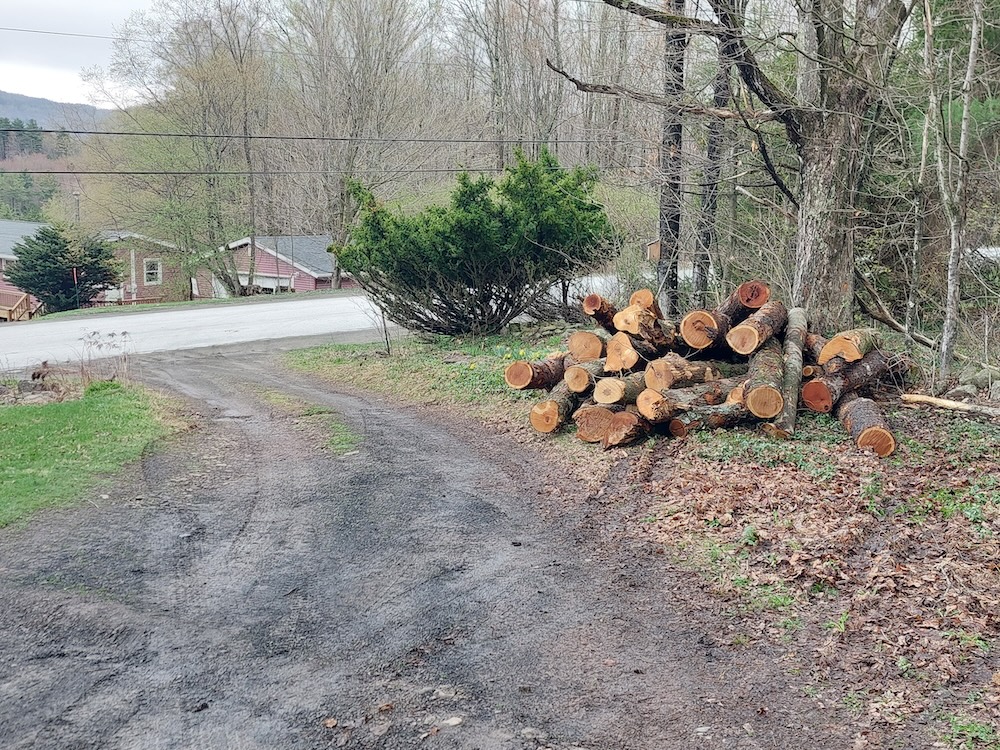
49 66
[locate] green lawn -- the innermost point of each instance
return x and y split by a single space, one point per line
53 454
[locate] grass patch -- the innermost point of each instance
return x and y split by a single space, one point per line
340 437
965 733
440 370
54 453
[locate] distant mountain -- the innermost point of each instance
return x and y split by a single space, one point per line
47 113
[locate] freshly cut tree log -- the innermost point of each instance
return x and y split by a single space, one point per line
661 406
701 329
551 414
619 390
580 378
626 427
821 394
672 370
708 417
626 352
737 395
753 294
812 346
750 335
762 392
945 403
835 365
646 298
545 373
642 322
602 311
863 420
811 371
586 346
593 422
851 345
795 335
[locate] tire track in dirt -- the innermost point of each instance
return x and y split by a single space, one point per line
249 585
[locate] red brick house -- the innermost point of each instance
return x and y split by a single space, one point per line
154 271
285 263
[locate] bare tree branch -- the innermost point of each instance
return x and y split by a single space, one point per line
675 107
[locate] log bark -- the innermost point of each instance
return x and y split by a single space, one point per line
646 298
672 370
821 394
750 335
945 403
580 378
602 311
866 425
619 390
812 346
708 417
795 335
586 346
626 427
593 422
762 392
551 414
661 406
545 373
851 345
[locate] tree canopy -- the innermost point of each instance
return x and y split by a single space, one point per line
61 270
477 263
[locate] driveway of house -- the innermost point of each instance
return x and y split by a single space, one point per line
438 587
66 340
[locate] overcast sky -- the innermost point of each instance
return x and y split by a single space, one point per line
47 65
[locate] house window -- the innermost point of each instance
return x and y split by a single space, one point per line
152 272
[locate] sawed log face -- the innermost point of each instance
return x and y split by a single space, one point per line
750 335
762 392
551 414
866 425
602 311
626 427
594 421
545 373
822 394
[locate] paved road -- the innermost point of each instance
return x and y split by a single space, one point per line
61 341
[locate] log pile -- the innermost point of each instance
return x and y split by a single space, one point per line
750 360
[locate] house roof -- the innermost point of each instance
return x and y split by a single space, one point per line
12 232
305 251
114 235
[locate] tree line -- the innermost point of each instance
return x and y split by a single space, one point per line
846 151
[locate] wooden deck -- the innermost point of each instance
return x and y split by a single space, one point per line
15 306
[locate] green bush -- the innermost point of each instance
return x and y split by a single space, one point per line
477 263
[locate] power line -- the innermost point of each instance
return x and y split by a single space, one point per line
326 138
244 173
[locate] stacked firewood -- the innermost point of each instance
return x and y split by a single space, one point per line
749 360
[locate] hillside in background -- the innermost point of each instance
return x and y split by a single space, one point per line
47 113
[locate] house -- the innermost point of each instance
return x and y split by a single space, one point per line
154 271
286 263
15 304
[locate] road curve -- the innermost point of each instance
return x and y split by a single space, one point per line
62 340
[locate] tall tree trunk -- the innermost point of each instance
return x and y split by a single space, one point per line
675 45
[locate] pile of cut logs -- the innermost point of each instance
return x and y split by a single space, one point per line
750 359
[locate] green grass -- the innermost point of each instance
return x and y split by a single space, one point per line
453 371
56 452
965 733
342 439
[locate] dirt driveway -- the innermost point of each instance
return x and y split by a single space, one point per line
244 588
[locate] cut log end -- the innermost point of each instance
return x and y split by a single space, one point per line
699 329
878 439
754 294
743 339
626 427
764 401
578 379
816 395
609 391
585 346
518 375
545 416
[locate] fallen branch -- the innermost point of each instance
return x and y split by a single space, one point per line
944 403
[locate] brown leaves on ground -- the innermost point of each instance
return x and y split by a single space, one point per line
882 576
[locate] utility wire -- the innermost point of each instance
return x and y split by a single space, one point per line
326 138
